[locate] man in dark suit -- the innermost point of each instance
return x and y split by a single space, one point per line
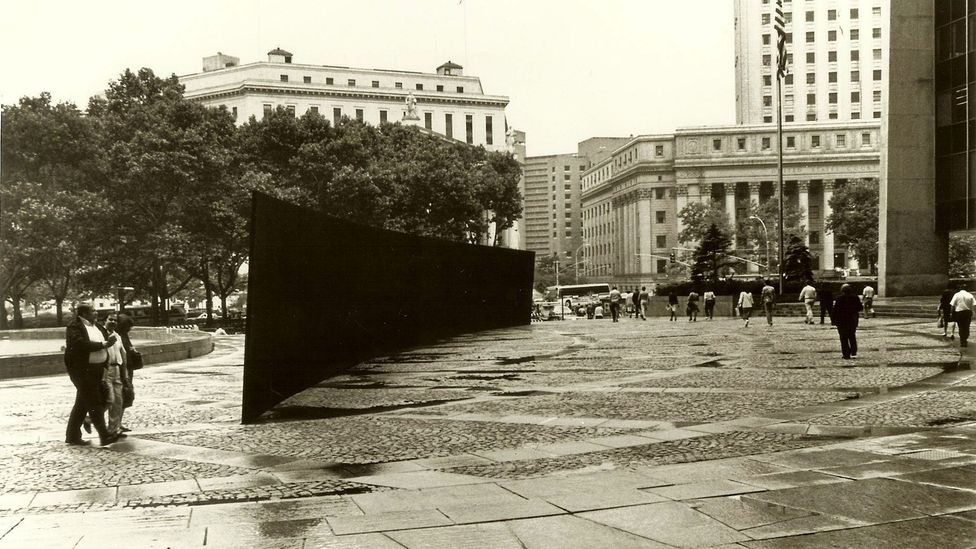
85 358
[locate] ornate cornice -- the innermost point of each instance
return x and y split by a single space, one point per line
246 89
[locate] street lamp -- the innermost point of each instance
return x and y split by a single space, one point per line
766 235
576 259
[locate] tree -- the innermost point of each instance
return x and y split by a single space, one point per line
751 237
797 260
712 255
962 256
854 220
698 217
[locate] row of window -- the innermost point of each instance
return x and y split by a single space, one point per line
351 82
811 57
840 142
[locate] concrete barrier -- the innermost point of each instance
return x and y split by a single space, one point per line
164 345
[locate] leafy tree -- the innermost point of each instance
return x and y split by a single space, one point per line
698 217
797 260
712 255
962 256
751 237
854 220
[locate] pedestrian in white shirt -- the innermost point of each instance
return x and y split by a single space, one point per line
808 295
113 377
745 305
868 301
962 305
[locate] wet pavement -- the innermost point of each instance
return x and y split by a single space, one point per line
561 434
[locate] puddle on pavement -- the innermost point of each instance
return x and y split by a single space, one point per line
524 393
514 360
710 364
297 413
510 376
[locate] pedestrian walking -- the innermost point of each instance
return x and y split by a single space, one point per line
745 305
808 296
768 300
114 373
826 297
635 296
868 294
691 307
615 299
645 302
133 361
962 309
847 311
709 297
946 318
85 358
673 306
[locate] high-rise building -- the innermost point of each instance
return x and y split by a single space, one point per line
834 60
552 222
447 102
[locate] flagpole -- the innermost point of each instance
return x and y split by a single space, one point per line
779 166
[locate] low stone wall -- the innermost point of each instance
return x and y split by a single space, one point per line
165 345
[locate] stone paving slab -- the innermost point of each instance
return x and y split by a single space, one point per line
707 489
941 532
434 498
675 524
790 479
491 512
469 536
570 532
382 522
266 511
419 479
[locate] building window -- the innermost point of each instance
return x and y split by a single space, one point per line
832 98
398 85
382 116
767 119
790 142
336 115
662 266
840 140
659 193
765 39
811 99
788 80
811 78
810 16
329 81
376 83
351 82
875 33
765 143
788 118
815 141
659 150
832 36
811 116
877 75
307 79
831 15
314 110
855 76
765 19
740 143
449 125
429 120
267 109
832 56
832 77
420 86
460 89
716 144
866 138
855 34
811 57
662 241
876 10
855 55
853 13
877 114
489 137
660 217
440 87
469 128
855 115
766 60
233 110
767 80
876 54
284 77
359 114
811 37
814 238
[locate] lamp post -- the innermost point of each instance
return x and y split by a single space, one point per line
766 235
576 259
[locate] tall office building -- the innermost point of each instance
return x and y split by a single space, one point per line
834 58
552 222
448 102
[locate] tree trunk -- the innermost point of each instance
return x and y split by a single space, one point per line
59 309
3 312
209 292
223 307
18 316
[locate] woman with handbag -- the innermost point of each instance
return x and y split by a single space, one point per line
133 361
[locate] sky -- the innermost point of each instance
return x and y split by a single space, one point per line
572 69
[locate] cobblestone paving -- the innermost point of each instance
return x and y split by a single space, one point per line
54 466
258 493
649 406
351 399
724 445
928 357
809 379
926 409
372 439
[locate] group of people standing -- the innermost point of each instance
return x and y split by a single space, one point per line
100 360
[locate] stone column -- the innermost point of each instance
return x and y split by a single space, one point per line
803 203
754 198
681 194
754 187
705 193
730 207
630 260
827 256
644 213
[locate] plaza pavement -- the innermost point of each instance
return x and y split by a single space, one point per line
580 433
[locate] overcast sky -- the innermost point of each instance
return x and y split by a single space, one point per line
572 69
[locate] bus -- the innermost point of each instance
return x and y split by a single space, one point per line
566 299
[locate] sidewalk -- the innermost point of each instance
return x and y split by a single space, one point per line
702 435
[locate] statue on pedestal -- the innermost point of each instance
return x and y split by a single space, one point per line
411 112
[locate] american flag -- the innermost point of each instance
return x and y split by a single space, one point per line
780 24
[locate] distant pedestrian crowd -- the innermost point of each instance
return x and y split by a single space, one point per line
100 360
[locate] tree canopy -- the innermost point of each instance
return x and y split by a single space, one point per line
854 220
711 257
